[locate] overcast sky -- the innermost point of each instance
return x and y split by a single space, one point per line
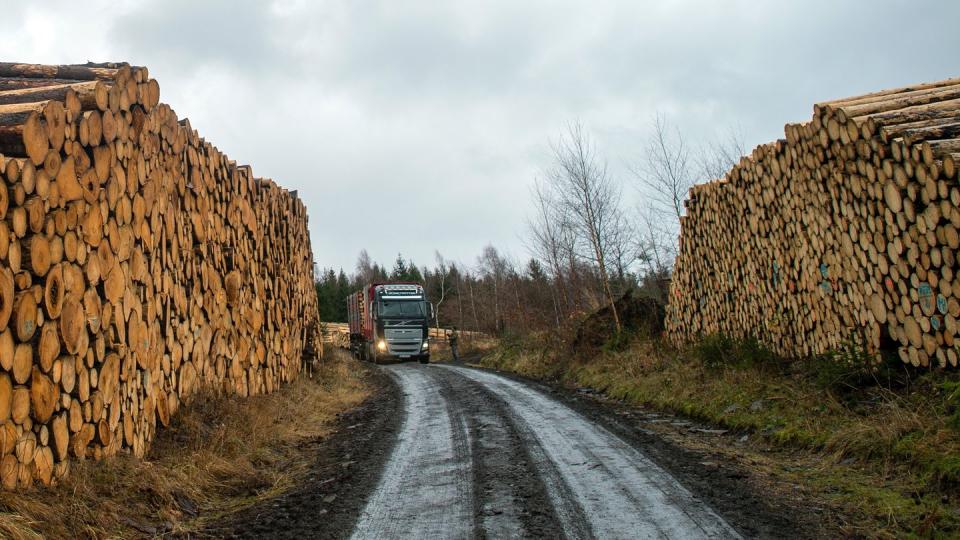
409 126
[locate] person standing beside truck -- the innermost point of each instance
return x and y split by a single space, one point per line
452 338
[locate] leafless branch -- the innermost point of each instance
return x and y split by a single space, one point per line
720 155
666 173
590 197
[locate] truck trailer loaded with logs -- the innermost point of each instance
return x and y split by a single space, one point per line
844 234
138 266
390 320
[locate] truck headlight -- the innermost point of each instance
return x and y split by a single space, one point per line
426 345
381 345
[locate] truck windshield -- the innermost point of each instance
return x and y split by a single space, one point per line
401 308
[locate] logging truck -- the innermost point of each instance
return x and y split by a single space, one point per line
390 320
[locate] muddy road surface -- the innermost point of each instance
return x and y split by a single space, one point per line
444 451
481 455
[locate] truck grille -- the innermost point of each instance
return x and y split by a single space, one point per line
403 341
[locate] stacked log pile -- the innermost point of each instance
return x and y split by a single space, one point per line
845 233
138 266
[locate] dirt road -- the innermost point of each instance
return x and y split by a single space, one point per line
452 452
480 455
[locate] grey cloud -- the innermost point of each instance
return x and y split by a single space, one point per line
431 119
192 35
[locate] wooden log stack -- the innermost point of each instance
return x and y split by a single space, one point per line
845 233
138 266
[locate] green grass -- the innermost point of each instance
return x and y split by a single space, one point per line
888 440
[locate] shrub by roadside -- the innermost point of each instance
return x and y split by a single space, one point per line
220 455
887 450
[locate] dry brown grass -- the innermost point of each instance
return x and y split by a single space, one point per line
220 455
440 349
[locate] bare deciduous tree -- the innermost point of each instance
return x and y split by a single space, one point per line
666 171
655 241
495 268
441 272
591 197
473 302
719 156
455 270
548 241
623 243
364 269
656 245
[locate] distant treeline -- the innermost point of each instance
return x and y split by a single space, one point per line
496 295
586 248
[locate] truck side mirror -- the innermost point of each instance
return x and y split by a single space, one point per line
433 312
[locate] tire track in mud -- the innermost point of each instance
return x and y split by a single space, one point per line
510 497
424 491
622 493
460 468
479 455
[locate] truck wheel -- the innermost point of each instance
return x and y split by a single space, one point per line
425 359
